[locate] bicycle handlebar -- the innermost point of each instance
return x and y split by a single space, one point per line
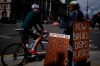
44 34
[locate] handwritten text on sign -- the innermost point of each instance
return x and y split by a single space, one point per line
80 40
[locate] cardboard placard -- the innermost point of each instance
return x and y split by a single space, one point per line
80 40
57 49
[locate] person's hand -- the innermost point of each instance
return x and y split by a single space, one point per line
44 30
45 33
55 24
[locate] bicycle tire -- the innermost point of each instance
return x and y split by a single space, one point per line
12 55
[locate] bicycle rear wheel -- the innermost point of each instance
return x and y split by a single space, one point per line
13 55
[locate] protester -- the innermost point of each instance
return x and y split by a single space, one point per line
74 14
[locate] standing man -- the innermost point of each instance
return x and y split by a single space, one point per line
32 19
74 14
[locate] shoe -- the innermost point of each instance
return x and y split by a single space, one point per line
33 52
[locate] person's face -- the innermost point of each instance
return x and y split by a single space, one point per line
36 9
71 7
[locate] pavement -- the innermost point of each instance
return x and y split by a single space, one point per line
94 55
94 60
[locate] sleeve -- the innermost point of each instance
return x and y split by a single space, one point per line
38 22
41 26
36 28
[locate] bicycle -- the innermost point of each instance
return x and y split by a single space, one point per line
15 54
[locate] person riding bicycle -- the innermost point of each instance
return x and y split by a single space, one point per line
32 19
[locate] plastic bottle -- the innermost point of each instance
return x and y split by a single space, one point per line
31 44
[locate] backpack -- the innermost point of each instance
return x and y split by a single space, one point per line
79 15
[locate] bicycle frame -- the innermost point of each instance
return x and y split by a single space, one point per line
17 53
21 36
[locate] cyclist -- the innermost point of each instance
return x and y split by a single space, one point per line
32 19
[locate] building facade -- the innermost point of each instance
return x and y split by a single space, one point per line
18 9
5 8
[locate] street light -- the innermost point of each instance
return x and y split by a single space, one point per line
87 16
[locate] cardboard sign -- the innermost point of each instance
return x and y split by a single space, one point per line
57 49
80 40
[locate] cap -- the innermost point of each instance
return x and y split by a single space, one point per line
74 2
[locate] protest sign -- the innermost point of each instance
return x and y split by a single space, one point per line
57 49
80 40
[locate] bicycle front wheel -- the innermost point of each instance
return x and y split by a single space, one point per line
13 55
